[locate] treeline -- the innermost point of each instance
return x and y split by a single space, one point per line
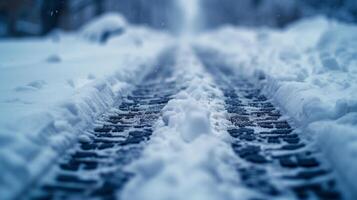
277 13
35 17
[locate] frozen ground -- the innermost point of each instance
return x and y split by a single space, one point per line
52 89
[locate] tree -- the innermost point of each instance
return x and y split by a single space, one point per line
51 11
12 10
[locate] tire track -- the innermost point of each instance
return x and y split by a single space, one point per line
276 160
95 167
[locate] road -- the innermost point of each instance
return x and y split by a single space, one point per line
278 161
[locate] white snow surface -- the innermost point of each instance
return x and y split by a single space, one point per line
189 153
53 88
108 23
310 70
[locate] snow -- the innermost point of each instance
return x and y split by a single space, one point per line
103 27
340 141
189 152
53 88
309 69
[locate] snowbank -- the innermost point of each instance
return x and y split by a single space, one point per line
189 152
104 27
53 89
310 69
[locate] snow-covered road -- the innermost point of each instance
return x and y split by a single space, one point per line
191 129
232 114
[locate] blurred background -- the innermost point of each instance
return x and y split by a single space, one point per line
38 17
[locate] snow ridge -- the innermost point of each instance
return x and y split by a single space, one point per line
188 152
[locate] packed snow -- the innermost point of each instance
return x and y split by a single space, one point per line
189 152
310 70
53 88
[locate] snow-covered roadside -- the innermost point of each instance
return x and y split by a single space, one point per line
52 89
310 69
189 152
